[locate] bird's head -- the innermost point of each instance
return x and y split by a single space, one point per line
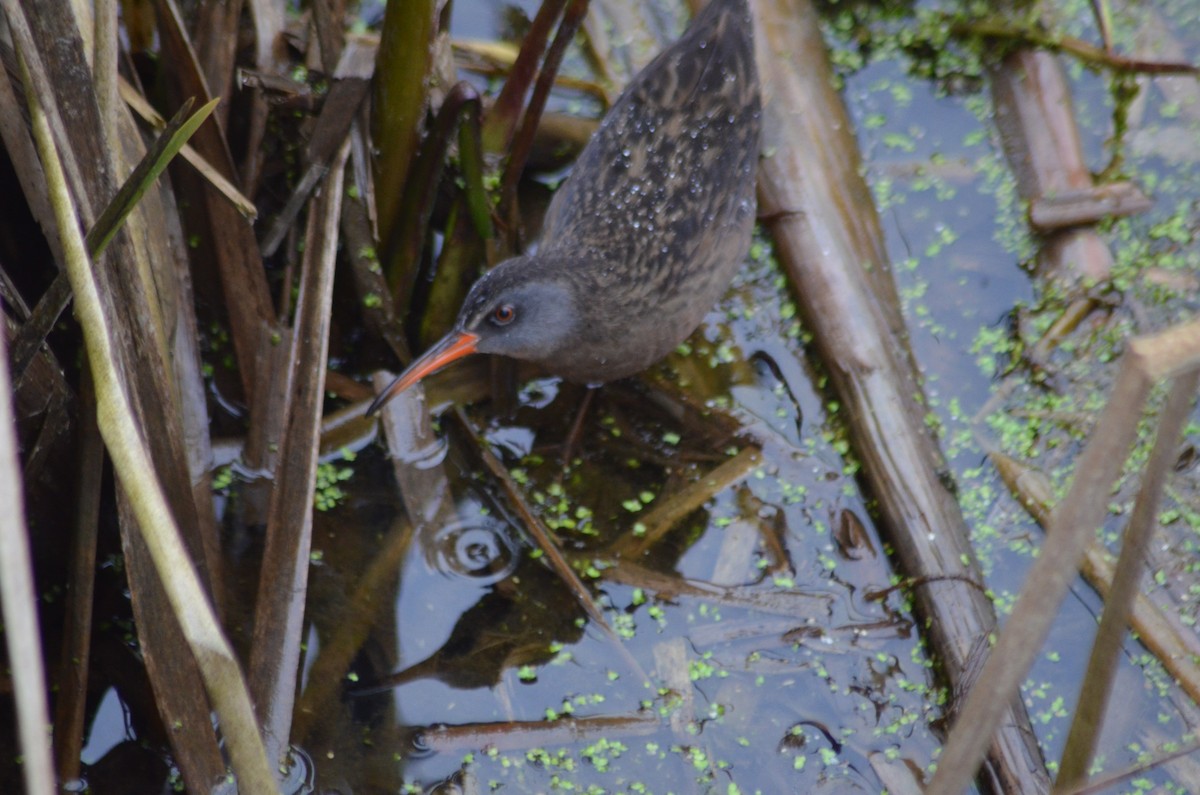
524 308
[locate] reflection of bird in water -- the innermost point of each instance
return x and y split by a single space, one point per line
646 233
510 626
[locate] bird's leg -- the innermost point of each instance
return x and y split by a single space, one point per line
570 445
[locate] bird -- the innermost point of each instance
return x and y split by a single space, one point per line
646 232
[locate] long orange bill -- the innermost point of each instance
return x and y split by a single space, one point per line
449 348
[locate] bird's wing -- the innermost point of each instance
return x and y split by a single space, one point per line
639 158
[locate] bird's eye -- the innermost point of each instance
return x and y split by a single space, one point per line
504 314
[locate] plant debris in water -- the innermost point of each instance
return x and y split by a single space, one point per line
710 508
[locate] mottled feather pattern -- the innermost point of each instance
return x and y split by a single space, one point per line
687 126
660 204
646 232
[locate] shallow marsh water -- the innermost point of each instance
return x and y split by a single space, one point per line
787 662
787 676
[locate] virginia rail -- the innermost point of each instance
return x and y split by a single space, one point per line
646 232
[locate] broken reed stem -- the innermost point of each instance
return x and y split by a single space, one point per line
104 66
1102 664
546 543
131 461
17 597
665 515
514 735
74 668
358 617
1053 572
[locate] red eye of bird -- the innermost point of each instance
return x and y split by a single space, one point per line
504 314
